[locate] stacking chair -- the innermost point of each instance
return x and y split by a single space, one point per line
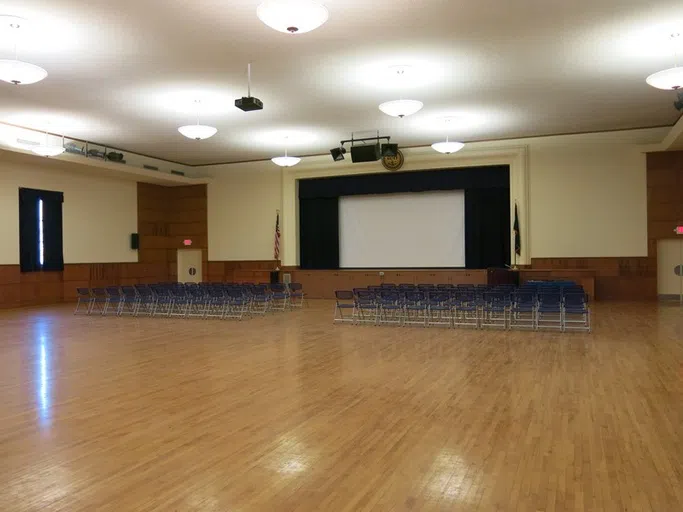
550 312
415 308
439 308
114 302
344 307
577 315
465 308
163 300
367 307
146 300
99 300
390 307
279 296
216 302
260 299
237 304
495 309
180 303
197 301
296 295
85 301
130 300
523 310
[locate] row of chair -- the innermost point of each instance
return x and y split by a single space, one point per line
532 306
190 300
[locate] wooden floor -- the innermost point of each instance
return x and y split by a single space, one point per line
291 413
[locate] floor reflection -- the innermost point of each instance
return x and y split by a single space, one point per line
42 378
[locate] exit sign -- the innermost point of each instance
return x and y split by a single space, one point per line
679 230
187 242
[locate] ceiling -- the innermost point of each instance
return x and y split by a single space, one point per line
126 73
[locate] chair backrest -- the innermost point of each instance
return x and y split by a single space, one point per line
343 295
113 291
295 287
83 292
414 297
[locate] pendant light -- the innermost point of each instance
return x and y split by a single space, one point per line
48 150
198 131
401 108
15 71
286 161
292 16
447 147
669 79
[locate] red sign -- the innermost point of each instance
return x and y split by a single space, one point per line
679 230
187 241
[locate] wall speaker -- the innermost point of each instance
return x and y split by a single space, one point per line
365 153
389 150
134 241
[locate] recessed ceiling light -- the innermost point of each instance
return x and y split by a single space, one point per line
292 16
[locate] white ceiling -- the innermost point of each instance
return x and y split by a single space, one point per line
126 73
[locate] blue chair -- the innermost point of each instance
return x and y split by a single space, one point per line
85 301
345 302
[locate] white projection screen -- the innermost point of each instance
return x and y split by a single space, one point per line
411 230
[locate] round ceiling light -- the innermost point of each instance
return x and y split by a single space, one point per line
20 73
285 161
47 150
198 131
668 79
447 147
292 16
401 108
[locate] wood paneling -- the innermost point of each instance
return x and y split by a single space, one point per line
321 284
244 271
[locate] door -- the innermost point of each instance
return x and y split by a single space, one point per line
189 265
670 268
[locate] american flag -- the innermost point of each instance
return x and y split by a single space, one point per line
276 250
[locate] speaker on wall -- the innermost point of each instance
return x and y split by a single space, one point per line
134 241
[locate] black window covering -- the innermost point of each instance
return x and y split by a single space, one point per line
53 250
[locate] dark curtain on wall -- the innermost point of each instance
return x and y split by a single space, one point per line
319 233
53 253
487 227
487 210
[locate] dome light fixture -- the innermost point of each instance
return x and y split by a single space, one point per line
47 149
668 79
15 71
285 161
447 147
401 108
292 16
198 131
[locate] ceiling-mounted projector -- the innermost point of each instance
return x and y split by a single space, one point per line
248 103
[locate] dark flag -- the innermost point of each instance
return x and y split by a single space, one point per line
518 239
276 248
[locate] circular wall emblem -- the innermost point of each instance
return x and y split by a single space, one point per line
192 271
393 163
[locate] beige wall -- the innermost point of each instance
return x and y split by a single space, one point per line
99 213
587 200
578 196
242 204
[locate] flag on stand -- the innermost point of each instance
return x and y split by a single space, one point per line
276 250
518 239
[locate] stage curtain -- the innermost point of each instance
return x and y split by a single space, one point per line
487 228
319 233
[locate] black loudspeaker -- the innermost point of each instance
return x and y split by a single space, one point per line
134 241
365 153
274 277
389 149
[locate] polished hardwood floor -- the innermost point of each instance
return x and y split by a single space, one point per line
290 413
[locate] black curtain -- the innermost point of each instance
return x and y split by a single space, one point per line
487 227
29 252
28 230
319 233
52 231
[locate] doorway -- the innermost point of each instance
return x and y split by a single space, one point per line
189 265
670 268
